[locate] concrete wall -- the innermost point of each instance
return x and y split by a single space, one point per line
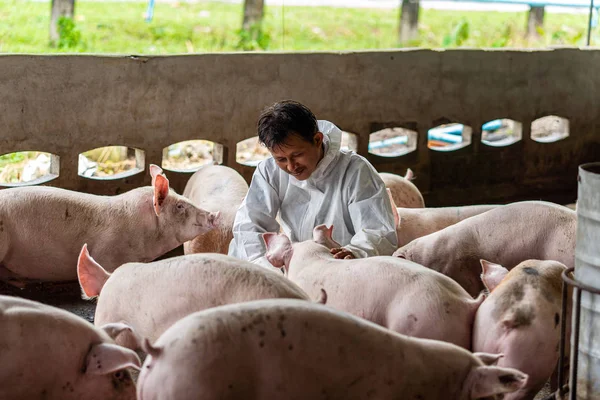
69 104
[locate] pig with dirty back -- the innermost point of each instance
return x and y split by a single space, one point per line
521 319
215 188
398 294
42 228
48 353
290 349
150 297
508 235
404 192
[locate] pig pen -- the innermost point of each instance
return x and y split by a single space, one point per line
66 105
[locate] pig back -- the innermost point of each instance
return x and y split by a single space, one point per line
215 188
505 235
418 222
151 297
301 350
404 192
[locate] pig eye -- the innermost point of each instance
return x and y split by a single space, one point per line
119 375
180 206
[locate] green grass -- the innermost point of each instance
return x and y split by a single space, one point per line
119 28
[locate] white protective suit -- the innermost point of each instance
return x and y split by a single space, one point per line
345 191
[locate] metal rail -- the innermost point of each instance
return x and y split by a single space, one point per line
578 288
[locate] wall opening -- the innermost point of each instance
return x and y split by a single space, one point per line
501 132
24 168
549 129
250 152
393 142
111 162
191 155
449 137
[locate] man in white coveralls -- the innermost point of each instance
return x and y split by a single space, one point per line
310 181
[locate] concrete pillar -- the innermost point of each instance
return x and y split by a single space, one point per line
409 21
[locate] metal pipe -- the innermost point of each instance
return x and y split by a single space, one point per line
561 344
589 32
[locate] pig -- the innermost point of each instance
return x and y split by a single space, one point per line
51 354
404 192
292 349
149 297
398 294
215 188
521 319
42 229
414 223
507 235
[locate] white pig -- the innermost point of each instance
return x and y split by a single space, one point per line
48 353
221 189
508 235
398 294
404 192
43 228
413 223
151 297
521 319
290 349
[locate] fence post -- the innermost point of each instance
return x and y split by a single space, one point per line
535 20
409 21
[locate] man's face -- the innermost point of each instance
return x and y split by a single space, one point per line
298 157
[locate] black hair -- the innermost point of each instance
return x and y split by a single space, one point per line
283 119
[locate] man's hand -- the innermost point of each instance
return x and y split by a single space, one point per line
342 253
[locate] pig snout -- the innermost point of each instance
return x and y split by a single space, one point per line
214 218
208 220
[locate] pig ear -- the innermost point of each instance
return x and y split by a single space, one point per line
91 275
394 208
487 382
161 191
269 238
106 358
154 171
322 299
114 329
488 358
150 349
409 174
492 274
275 252
329 232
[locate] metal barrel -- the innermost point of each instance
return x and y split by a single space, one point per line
586 363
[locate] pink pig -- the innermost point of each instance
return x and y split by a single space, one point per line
295 350
220 189
398 294
404 192
413 223
48 353
43 228
508 234
521 319
150 297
